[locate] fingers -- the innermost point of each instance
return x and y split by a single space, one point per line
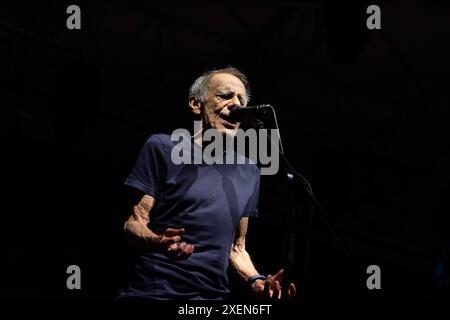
273 289
171 235
273 286
279 275
276 290
174 248
185 250
179 251
170 232
170 240
269 287
292 291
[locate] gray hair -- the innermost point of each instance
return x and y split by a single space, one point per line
199 88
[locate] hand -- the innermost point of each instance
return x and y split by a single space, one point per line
271 287
169 244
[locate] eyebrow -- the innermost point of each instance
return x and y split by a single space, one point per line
227 91
242 97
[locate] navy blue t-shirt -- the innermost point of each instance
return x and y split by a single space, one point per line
208 200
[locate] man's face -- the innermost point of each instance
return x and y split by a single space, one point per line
225 90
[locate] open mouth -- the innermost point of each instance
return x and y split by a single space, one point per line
228 122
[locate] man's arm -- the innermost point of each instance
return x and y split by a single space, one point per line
243 265
135 228
240 259
140 236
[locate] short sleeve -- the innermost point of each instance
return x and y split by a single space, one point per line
145 174
251 209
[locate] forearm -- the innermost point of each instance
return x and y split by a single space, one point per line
139 235
244 267
135 228
260 286
241 262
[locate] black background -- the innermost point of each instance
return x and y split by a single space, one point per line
363 114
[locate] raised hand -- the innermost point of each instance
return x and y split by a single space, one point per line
168 243
270 288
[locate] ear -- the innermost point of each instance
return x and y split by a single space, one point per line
195 105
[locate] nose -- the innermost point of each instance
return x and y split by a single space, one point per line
235 101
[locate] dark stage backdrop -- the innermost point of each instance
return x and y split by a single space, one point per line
364 115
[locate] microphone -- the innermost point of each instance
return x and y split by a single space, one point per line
245 113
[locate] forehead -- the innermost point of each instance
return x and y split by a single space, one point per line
226 81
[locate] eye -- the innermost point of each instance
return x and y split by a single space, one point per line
226 96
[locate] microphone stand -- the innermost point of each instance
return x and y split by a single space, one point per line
293 181
299 215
